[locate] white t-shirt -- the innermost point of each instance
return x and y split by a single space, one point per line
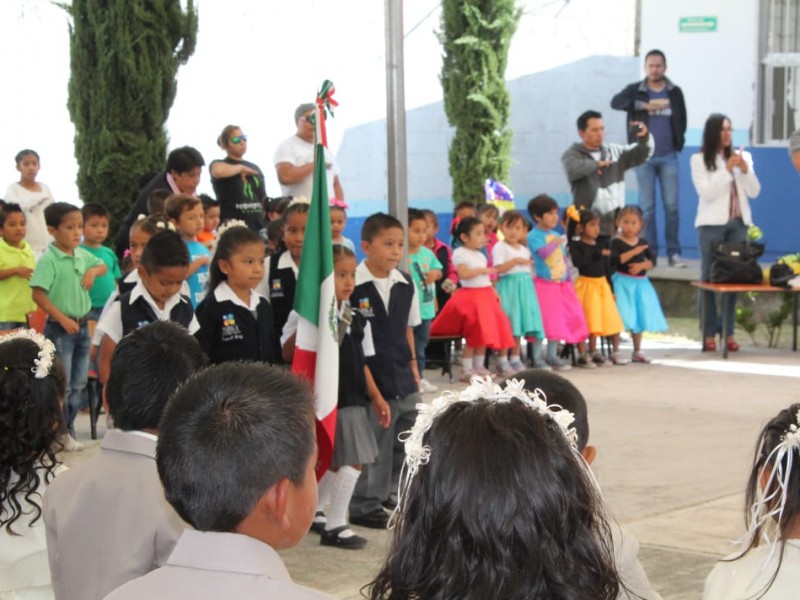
474 259
504 252
299 152
33 205
745 577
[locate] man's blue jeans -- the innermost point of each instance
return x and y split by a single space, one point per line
73 351
665 169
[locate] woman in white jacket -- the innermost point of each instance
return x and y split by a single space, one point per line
724 180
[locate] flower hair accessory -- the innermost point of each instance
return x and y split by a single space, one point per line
47 350
573 213
418 454
299 200
230 224
336 203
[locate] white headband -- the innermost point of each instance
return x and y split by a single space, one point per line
44 362
229 224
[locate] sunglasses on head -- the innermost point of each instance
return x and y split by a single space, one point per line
238 138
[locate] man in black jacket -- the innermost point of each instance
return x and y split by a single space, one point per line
658 103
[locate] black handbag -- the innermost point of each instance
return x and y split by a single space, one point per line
736 262
780 274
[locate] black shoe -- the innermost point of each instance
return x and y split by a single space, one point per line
390 504
332 538
318 526
376 519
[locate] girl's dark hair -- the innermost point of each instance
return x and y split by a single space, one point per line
429 214
342 251
513 216
772 435
486 207
227 244
712 140
540 205
30 423
26 152
633 209
464 204
528 525
225 136
298 208
465 227
587 215
151 224
164 249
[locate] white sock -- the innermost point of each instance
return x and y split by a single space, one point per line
324 490
341 492
515 360
504 364
478 360
466 364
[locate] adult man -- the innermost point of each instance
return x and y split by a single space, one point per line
596 171
294 160
659 104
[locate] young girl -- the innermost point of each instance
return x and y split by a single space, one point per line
33 196
338 223
536 531
32 386
512 259
474 311
636 298
461 211
592 259
562 314
236 323
355 442
280 272
769 564
489 214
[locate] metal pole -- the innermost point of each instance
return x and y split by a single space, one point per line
396 114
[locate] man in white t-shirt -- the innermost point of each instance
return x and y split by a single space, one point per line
294 160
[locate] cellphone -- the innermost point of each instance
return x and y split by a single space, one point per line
635 129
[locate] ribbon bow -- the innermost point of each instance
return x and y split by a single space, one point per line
573 214
335 202
325 105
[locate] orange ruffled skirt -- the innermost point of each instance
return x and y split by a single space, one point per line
597 300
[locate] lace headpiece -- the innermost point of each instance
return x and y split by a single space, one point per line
230 224
44 362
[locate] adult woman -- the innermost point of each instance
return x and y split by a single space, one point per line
238 184
724 181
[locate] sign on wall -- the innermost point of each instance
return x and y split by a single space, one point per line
697 24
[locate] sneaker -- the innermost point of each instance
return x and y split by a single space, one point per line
70 443
600 360
638 357
559 364
342 537
676 262
319 522
466 376
505 372
426 387
541 364
517 367
619 360
585 362
484 372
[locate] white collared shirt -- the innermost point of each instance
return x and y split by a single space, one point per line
290 328
285 261
384 287
111 322
224 292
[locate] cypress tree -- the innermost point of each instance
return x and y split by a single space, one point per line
124 56
476 35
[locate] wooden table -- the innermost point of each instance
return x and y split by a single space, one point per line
726 289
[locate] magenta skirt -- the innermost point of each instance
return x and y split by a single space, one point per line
562 314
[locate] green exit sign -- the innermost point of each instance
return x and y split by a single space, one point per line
697 24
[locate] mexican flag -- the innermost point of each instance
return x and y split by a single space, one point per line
316 354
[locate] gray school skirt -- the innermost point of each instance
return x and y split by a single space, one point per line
355 443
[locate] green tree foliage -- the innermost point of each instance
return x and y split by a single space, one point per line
125 56
476 35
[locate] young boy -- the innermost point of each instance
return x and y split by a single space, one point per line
95 232
247 429
185 212
107 520
16 267
155 297
61 283
425 270
387 298
210 221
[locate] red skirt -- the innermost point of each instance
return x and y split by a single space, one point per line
476 315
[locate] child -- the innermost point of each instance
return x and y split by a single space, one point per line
274 237
107 521
386 298
156 297
16 267
591 258
489 214
156 202
210 221
31 389
280 269
461 211
355 442
338 223
236 323
247 429
513 261
425 270
769 562
95 232
448 283
33 196
275 207
636 298
474 311
60 285
562 315
523 520
185 212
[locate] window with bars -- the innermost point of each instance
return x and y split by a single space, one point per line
779 72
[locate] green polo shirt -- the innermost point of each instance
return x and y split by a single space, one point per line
105 285
16 300
60 275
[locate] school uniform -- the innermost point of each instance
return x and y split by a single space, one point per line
230 329
215 565
107 520
278 286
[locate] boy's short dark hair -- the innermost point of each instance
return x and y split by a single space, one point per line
656 52
176 204
7 208
583 120
414 214
93 209
227 435
375 224
55 213
208 202
184 159
164 249
156 201
541 205
147 367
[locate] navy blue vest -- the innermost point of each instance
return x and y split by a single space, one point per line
139 313
282 283
352 381
123 287
391 365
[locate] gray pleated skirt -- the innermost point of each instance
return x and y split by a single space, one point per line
355 442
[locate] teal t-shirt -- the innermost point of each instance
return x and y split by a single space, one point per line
419 265
104 285
61 276
198 281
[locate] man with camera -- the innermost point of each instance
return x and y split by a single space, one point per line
596 171
658 103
